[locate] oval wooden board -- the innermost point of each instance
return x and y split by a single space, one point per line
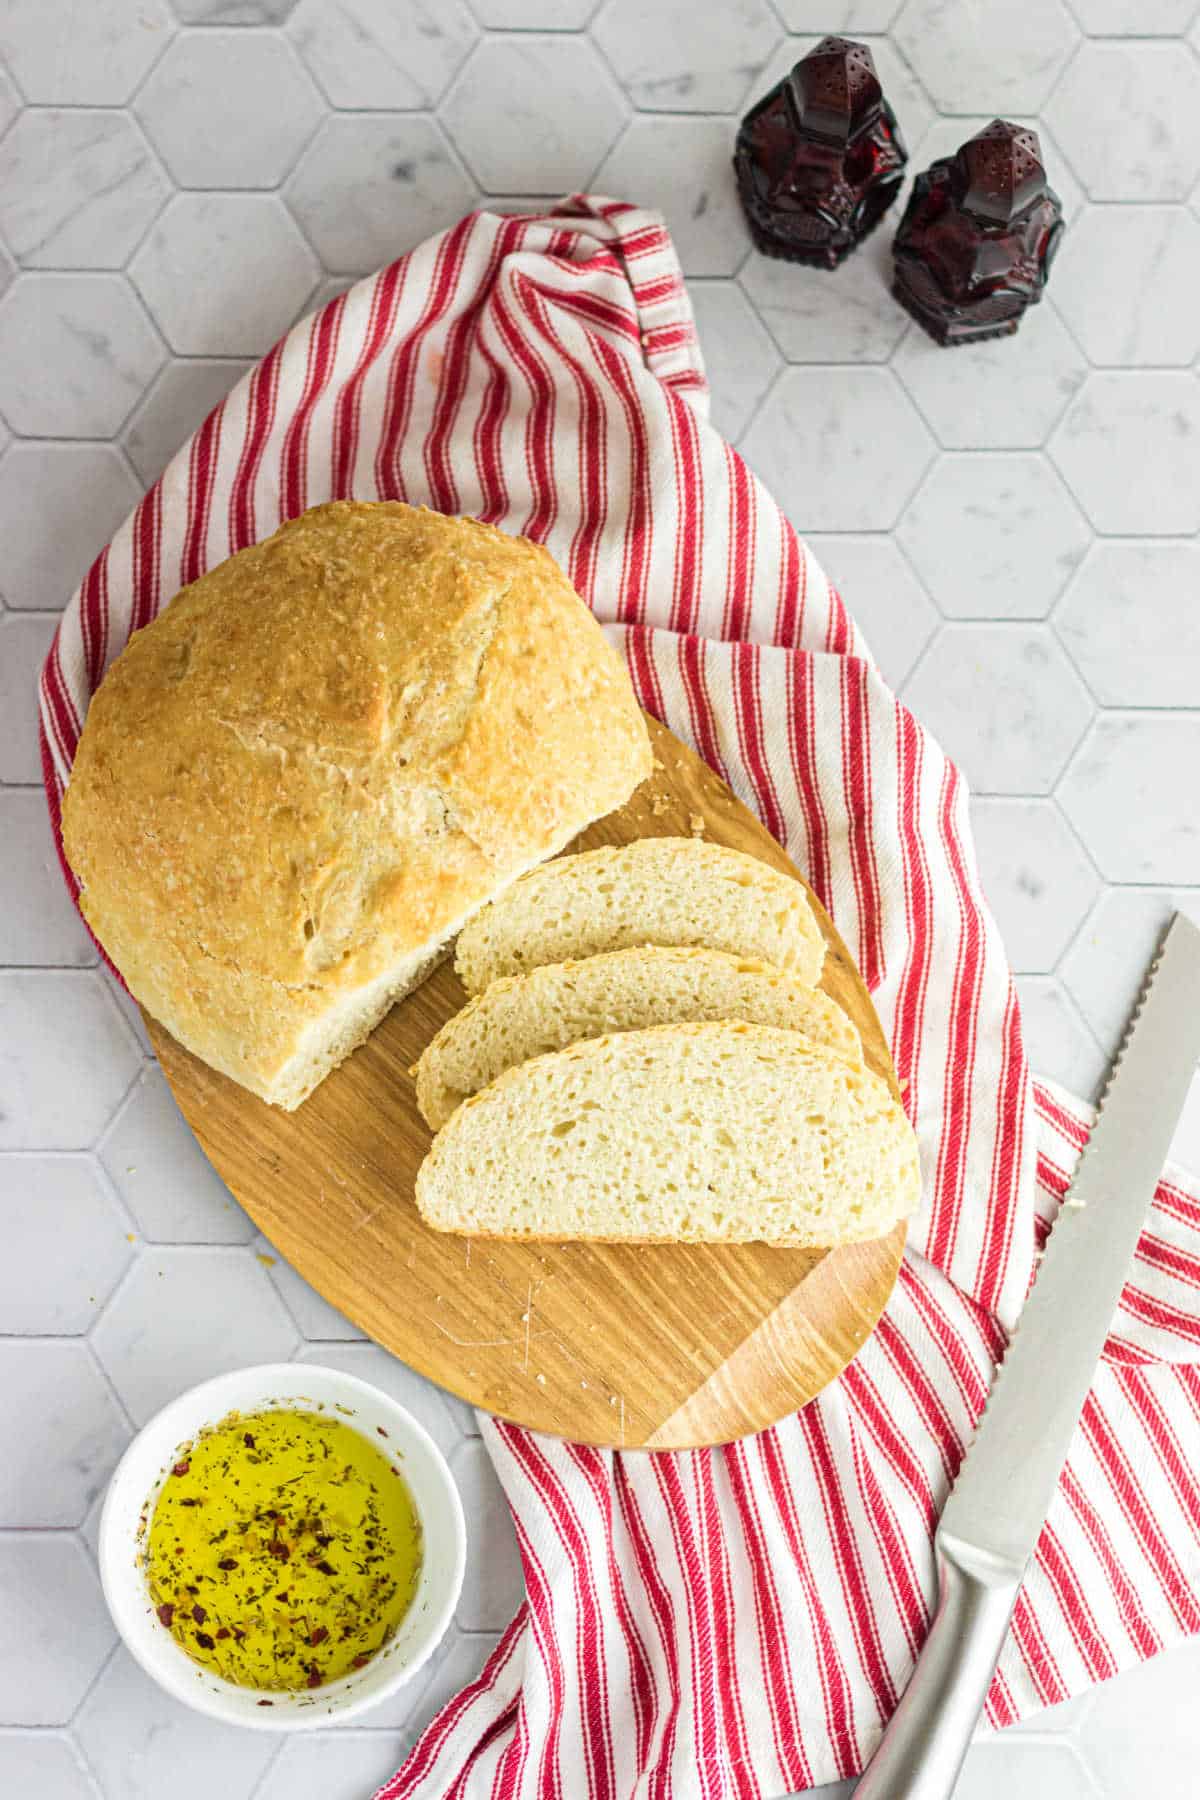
661 1347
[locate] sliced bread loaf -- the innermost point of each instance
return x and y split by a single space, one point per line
521 1016
674 891
721 1133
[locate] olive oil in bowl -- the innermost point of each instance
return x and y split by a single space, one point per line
284 1549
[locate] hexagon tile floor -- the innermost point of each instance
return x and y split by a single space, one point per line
1015 526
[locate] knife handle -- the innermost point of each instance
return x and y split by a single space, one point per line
928 1735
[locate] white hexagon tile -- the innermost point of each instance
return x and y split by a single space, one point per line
1014 525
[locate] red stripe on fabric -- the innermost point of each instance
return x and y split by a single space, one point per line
594 1472
735 1743
461 341
689 523
691 654
835 1688
700 1628
1164 1441
539 426
510 1770
1142 1634
64 721
895 1556
93 613
839 632
540 1597
1073 1129
591 1670
748 711
590 309
385 297
406 359
261 394
739 564
639 518
643 671
922 1392
918 908
1073 1606
1004 1197
1159 1313
202 473
771 1624
855 1591
947 1198
489 437
857 783
1001 1707
970 1383
293 456
1036 1653
496 1729
801 724
1172 1259
147 544
886 1434
1178 1205
658 1600
793 588
593 453
429 1745
1127 1490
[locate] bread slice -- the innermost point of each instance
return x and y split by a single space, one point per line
668 890
521 1016
714 1133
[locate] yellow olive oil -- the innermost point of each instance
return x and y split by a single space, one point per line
284 1549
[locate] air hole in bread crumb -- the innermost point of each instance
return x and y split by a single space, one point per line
309 927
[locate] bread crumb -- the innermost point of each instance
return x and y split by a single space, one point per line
696 825
660 804
268 1262
541 1379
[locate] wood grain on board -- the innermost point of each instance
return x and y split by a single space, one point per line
660 1347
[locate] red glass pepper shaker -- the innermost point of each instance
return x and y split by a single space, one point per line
978 236
820 158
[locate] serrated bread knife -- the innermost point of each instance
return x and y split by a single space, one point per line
994 1516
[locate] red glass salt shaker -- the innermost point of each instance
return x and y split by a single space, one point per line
978 236
820 158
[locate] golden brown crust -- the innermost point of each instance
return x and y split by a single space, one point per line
327 751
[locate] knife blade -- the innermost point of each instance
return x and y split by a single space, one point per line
992 1521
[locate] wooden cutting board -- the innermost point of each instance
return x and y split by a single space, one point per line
663 1347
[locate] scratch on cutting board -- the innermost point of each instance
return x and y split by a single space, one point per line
476 1343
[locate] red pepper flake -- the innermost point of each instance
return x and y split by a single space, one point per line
181 1468
279 1550
361 1661
238 1636
326 1568
227 1562
224 1632
319 1635
381 1431
199 1614
204 1641
314 1678
248 1440
266 1703
166 1613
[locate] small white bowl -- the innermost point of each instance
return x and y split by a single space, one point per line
135 1485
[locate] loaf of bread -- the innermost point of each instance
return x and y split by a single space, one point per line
300 780
673 891
521 1016
718 1133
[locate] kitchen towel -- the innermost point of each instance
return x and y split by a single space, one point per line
732 1622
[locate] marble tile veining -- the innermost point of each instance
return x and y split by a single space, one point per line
1014 526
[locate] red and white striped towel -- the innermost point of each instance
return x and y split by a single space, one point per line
735 1622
